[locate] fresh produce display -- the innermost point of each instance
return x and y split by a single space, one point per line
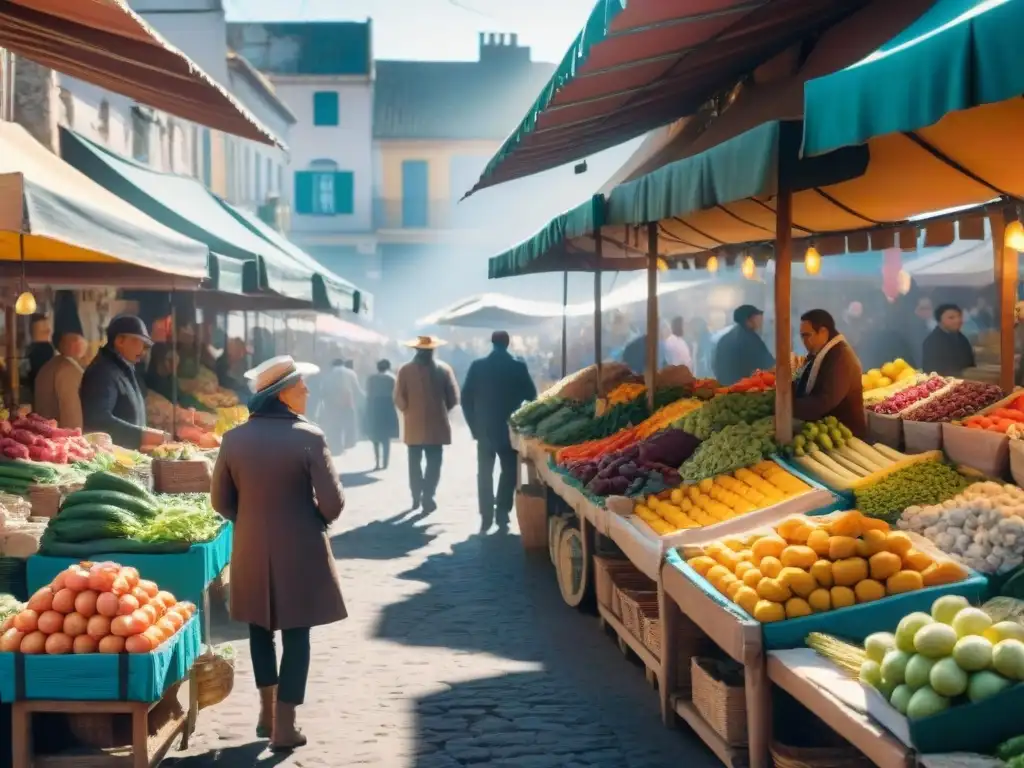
16 476
963 399
759 381
229 418
582 385
95 608
33 437
531 414
665 417
826 434
810 565
877 395
927 482
849 465
568 415
626 392
641 468
175 452
982 527
728 409
584 425
900 401
182 517
723 498
1000 419
735 446
953 656
9 606
899 370
222 399
593 449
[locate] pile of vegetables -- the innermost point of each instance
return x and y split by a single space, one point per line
725 410
846 467
759 381
174 452
9 606
17 476
723 498
982 527
113 514
96 608
33 437
921 484
531 414
626 392
811 565
594 449
827 434
905 398
963 399
875 395
642 468
955 655
735 446
1001 419
230 417
664 417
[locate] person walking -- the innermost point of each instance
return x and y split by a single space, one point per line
495 387
381 416
425 393
275 481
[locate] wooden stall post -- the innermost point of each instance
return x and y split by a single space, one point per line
652 312
174 373
598 341
783 312
565 339
1005 264
13 360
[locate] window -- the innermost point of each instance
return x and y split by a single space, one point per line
325 108
140 135
415 198
207 157
324 191
259 178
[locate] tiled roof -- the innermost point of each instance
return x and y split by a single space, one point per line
304 48
238 63
454 100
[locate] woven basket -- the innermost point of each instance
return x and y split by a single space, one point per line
605 571
650 629
817 757
192 476
723 706
215 679
532 516
631 579
633 603
45 500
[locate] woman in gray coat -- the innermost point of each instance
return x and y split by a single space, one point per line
275 480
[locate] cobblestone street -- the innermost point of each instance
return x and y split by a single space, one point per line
458 651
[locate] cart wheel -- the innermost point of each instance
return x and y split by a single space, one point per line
556 524
623 646
571 567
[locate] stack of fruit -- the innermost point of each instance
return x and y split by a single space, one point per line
955 655
759 381
723 498
961 400
899 370
1000 419
810 566
827 434
920 484
904 399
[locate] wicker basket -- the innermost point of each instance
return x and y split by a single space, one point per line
191 476
45 500
650 628
723 706
631 579
532 515
817 757
606 570
215 678
633 603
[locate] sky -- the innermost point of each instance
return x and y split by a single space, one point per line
408 29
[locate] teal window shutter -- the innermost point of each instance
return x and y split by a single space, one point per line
344 192
325 108
304 192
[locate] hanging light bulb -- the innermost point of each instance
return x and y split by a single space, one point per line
1014 236
662 265
26 304
749 267
903 282
812 261
712 265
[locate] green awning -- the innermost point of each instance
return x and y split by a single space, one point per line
330 292
186 206
959 54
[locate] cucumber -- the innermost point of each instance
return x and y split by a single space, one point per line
139 507
90 549
107 481
98 512
76 529
1010 749
26 470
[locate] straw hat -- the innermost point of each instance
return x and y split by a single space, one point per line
277 373
426 342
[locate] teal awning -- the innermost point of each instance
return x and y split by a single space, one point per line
186 206
330 291
959 54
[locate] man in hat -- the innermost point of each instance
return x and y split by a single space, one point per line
741 351
56 394
495 387
40 350
112 400
425 392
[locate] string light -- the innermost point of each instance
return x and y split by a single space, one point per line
26 304
712 265
749 267
812 261
1014 236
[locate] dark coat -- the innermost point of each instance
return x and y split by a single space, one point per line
381 416
112 400
837 391
39 353
947 354
495 387
275 480
738 354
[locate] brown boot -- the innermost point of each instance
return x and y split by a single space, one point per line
268 700
286 735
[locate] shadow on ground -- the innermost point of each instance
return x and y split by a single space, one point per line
358 479
390 539
254 753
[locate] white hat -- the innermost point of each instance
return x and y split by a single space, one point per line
277 373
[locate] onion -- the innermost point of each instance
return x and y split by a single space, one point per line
75 624
131 575
167 599
58 581
42 600
98 627
111 644
58 643
138 644
85 603
175 618
76 579
50 622
64 601
166 626
107 604
155 636
85 644
102 581
140 594
148 587
151 611
33 643
123 626
126 604
11 640
143 618
120 586
26 621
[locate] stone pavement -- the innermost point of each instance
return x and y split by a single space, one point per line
458 651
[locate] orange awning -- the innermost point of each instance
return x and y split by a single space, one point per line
105 43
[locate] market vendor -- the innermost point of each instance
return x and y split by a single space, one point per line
112 399
741 351
56 394
828 383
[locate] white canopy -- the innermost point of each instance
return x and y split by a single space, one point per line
965 263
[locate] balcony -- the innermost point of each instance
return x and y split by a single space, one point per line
433 215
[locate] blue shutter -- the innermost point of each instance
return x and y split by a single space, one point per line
304 192
415 194
325 108
344 192
207 157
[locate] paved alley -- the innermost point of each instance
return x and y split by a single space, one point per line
458 651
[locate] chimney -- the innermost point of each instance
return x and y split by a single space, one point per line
502 50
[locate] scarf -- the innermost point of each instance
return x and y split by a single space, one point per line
814 362
263 404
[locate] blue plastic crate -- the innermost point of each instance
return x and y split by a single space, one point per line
95 676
